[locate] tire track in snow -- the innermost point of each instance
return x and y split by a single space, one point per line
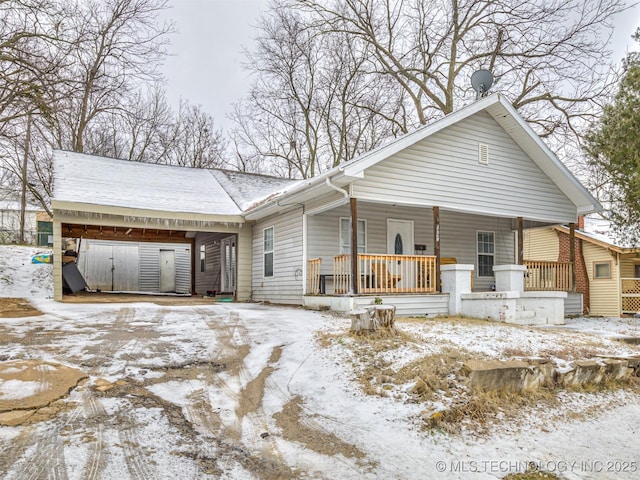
234 346
95 463
119 341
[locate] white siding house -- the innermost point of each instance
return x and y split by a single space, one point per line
284 282
456 191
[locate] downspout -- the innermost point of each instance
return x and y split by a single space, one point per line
336 188
354 247
304 253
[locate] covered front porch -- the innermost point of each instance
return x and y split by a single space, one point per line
401 252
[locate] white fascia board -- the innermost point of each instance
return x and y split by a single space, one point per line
57 205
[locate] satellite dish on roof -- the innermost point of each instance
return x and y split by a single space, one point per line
481 82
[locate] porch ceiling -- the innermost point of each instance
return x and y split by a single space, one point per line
124 234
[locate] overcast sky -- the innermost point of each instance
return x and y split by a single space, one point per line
205 65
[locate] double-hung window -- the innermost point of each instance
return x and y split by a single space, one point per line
345 235
486 253
267 236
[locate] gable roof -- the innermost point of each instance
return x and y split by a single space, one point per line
101 181
500 110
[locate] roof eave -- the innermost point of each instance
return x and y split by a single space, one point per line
595 241
59 205
301 193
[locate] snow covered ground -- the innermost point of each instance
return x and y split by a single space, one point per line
246 391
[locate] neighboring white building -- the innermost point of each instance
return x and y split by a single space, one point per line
10 209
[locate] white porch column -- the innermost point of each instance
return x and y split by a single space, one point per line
244 262
509 278
456 280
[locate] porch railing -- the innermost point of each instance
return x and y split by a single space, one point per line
548 276
313 275
630 291
386 274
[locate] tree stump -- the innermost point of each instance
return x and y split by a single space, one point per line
362 321
385 316
373 318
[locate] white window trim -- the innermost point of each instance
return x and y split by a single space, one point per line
364 221
478 253
272 252
601 262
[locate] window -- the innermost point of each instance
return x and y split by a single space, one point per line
203 257
602 270
486 250
267 236
345 235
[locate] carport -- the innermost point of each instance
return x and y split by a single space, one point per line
139 227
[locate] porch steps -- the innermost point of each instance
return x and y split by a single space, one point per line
527 317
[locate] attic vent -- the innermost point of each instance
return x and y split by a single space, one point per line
483 154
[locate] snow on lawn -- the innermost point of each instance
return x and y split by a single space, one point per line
306 363
21 278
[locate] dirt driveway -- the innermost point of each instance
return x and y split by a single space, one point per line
164 392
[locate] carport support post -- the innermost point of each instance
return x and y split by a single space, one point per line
354 245
243 262
193 267
57 260
436 245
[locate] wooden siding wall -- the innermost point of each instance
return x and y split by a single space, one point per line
287 282
443 170
541 244
457 236
210 278
604 293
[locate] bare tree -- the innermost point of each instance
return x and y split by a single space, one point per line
336 77
191 139
314 102
29 59
549 56
114 48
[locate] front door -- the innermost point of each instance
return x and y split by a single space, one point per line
167 271
400 242
400 237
